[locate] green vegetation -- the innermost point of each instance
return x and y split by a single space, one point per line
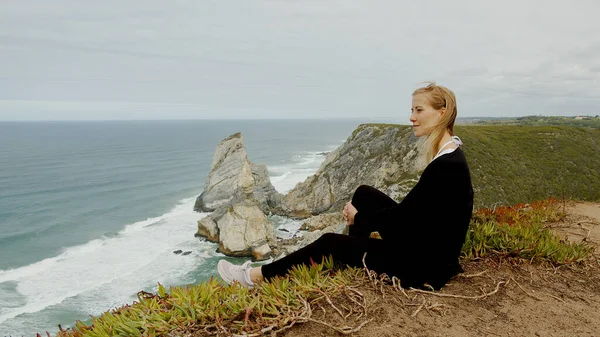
512 164
581 121
210 308
519 231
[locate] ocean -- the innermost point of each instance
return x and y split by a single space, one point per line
91 212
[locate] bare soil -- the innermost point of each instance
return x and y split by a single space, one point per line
492 298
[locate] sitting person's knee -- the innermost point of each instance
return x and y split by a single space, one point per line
327 238
362 189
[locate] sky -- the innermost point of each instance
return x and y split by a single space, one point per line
201 59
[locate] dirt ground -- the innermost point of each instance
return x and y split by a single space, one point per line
492 298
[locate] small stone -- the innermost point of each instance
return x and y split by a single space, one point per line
187 253
262 252
179 251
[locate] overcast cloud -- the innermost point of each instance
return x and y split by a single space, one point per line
74 59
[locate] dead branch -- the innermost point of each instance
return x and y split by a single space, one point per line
472 275
414 314
530 295
556 297
459 296
344 330
331 304
587 229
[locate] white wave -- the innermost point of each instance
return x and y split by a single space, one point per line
107 272
112 269
285 177
277 178
286 228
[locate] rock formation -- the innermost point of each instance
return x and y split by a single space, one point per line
241 229
323 221
233 178
380 155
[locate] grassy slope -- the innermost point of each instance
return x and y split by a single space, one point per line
511 164
515 163
592 122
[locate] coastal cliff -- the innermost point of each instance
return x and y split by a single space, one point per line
508 165
379 155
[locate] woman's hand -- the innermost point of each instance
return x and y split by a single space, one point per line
349 213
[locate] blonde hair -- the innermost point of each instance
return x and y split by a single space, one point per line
439 97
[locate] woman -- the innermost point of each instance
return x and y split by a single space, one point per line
422 236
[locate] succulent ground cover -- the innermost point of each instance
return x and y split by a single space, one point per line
521 231
507 249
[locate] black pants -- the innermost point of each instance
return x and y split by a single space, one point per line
348 249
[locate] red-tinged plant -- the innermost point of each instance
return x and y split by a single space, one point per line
519 231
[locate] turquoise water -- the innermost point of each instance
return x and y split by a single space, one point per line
90 212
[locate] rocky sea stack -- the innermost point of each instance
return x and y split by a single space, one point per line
233 178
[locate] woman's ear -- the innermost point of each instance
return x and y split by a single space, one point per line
442 111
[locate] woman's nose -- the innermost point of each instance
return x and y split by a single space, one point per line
412 118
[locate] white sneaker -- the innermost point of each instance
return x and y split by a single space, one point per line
230 272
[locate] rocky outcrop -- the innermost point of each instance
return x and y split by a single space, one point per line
323 221
208 228
379 155
233 178
291 245
241 229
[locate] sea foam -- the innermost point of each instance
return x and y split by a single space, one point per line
138 255
107 272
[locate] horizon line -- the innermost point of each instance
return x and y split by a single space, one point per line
260 119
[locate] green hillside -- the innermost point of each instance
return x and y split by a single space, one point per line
582 121
512 164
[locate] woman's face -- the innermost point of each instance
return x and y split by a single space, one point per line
423 116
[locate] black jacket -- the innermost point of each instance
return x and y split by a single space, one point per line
429 226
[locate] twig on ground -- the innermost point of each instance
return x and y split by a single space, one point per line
556 297
437 307
357 303
414 314
345 330
460 296
473 275
331 303
587 229
323 309
350 311
361 296
530 295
